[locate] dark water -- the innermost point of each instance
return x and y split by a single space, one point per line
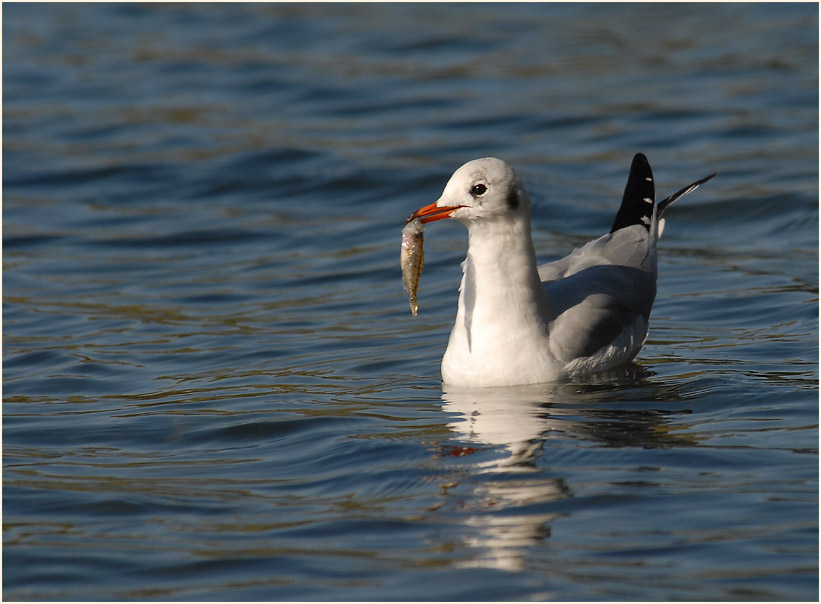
212 384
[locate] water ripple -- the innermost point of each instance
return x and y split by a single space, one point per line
213 386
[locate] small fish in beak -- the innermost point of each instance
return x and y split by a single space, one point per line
412 258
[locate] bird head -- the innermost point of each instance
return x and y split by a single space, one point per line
482 189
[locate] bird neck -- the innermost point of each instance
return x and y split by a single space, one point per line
501 277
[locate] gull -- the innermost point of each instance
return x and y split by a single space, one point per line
520 323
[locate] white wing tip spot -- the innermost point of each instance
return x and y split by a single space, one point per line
647 200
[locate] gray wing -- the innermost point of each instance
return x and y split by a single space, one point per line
631 246
599 291
593 307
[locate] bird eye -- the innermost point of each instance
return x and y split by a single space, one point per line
478 189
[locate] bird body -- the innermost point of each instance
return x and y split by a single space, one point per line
520 323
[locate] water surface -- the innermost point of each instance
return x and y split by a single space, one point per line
213 387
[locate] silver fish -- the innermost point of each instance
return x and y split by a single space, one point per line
412 259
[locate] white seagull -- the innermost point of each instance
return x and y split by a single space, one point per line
519 323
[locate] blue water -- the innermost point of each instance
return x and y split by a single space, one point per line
213 388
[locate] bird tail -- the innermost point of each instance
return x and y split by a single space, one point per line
640 194
679 194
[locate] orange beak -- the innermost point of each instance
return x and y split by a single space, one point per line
432 212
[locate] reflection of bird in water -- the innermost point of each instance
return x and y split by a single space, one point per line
522 418
512 501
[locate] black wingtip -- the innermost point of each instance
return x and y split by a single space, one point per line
639 196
